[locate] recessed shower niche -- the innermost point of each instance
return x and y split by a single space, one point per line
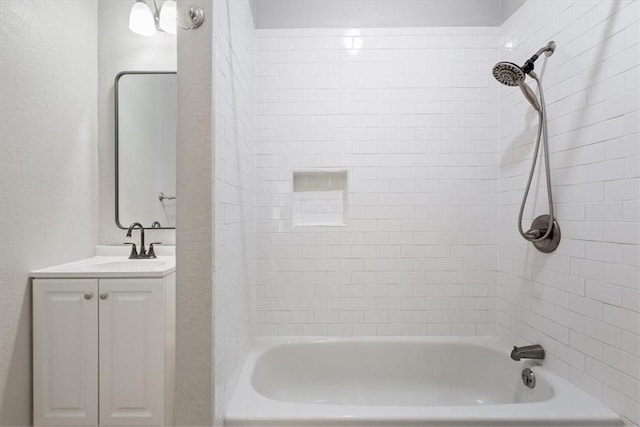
320 198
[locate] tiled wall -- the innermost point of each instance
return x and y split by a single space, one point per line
234 228
581 302
412 115
435 150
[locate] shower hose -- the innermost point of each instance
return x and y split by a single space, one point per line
536 235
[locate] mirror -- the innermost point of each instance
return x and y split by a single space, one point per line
145 119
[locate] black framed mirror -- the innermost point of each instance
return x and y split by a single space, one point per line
145 148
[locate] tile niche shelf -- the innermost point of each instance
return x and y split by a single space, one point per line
320 198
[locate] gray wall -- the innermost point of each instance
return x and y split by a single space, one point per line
119 49
381 13
48 166
195 171
508 8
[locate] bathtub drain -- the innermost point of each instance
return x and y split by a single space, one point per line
528 378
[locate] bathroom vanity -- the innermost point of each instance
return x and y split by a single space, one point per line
104 342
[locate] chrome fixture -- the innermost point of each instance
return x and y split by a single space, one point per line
156 224
534 351
528 378
545 231
196 18
162 197
509 74
143 254
144 22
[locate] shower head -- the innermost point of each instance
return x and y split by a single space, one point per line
510 74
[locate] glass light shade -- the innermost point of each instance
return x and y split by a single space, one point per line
141 19
168 16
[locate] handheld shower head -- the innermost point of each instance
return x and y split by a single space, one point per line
510 74
528 93
544 233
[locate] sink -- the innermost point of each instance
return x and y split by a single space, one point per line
111 266
127 265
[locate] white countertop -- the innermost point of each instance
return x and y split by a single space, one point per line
110 266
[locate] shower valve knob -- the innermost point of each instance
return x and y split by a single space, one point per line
536 233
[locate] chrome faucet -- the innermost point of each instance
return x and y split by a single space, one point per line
143 254
528 352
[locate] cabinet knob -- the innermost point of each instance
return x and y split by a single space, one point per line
88 295
103 295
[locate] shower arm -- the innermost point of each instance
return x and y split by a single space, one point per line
548 50
541 138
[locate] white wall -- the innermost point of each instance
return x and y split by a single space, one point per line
412 115
234 219
119 49
48 164
581 302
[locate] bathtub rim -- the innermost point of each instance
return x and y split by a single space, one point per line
468 341
567 406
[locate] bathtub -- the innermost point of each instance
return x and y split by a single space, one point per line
402 382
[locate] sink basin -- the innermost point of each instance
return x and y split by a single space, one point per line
128 265
111 266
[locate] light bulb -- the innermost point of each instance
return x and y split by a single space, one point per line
168 17
141 19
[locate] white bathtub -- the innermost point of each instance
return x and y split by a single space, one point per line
402 382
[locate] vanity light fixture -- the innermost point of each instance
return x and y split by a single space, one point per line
168 17
164 19
141 20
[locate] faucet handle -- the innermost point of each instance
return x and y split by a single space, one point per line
134 250
152 252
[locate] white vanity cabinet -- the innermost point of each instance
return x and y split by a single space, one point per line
103 351
65 352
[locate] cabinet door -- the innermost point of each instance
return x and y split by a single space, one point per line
65 352
131 352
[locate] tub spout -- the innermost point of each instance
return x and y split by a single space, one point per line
528 352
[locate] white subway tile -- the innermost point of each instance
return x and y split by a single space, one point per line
622 318
436 151
604 292
621 360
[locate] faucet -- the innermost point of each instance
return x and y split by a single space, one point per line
528 352
143 254
143 251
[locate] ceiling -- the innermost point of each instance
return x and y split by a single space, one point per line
381 13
